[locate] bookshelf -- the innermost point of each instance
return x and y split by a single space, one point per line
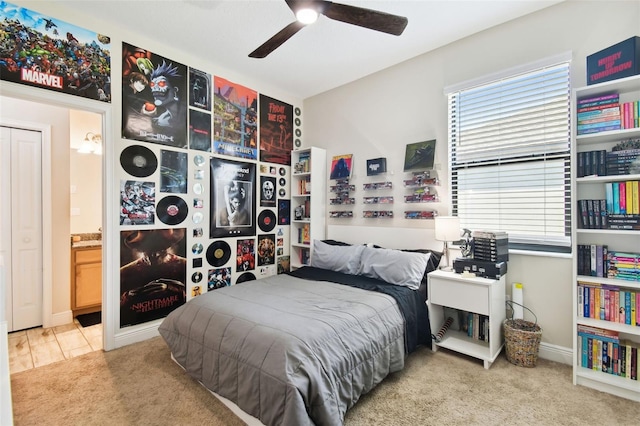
308 202
482 296
597 328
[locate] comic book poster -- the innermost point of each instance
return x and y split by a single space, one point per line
199 130
199 89
235 120
341 166
218 278
267 191
276 131
233 198
153 271
266 249
246 255
173 171
137 202
419 156
41 51
154 98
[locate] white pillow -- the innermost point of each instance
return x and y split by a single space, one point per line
394 266
345 259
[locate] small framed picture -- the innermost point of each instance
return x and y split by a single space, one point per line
376 166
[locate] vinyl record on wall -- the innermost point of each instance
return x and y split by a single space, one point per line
172 210
218 253
266 220
247 276
138 161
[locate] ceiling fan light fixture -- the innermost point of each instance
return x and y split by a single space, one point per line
307 16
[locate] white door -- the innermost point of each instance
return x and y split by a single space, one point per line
21 225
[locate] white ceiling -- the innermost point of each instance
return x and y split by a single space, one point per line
320 57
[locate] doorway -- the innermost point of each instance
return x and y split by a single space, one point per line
56 234
21 226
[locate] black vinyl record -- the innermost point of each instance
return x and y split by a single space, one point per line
138 161
247 276
266 220
172 210
218 253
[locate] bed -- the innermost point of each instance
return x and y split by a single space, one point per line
303 347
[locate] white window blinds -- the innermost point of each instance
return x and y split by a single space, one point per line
509 152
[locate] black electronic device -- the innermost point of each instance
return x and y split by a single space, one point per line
480 268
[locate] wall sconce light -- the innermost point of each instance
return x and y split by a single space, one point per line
447 229
92 144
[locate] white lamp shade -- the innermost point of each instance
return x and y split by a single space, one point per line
447 228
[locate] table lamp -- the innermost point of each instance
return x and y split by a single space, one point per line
447 228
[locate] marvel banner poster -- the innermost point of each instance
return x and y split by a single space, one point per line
45 52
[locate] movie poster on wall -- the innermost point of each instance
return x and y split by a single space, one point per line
199 89
48 53
276 131
153 269
154 98
233 198
235 120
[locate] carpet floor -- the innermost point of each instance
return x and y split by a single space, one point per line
140 385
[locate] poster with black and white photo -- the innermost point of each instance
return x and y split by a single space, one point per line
233 198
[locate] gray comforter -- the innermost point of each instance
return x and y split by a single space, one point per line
286 350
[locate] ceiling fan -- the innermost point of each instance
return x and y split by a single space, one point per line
307 12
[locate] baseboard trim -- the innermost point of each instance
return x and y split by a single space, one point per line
61 318
556 353
135 336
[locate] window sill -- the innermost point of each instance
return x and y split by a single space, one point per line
540 254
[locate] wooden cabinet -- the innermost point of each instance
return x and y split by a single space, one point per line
86 280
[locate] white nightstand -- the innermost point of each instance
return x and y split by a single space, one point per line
478 295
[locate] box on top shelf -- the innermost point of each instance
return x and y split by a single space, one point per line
617 61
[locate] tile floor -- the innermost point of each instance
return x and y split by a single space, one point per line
39 346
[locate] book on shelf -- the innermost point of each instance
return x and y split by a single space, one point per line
603 350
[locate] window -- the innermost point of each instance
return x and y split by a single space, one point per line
509 157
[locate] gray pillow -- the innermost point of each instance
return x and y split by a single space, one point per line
394 266
345 259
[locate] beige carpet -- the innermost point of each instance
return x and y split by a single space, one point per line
141 385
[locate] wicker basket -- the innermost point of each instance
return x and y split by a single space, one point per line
522 341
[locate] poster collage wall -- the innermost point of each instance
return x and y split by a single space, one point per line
205 190
205 162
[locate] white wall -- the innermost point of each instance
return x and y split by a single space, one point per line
378 115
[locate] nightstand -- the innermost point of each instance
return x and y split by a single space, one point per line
482 296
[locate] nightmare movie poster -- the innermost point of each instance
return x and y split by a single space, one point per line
154 98
235 120
41 51
153 268
276 131
233 198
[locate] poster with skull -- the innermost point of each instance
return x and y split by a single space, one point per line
267 191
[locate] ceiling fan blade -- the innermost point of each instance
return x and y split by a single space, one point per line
367 18
274 42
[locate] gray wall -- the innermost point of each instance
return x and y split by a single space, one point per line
378 115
